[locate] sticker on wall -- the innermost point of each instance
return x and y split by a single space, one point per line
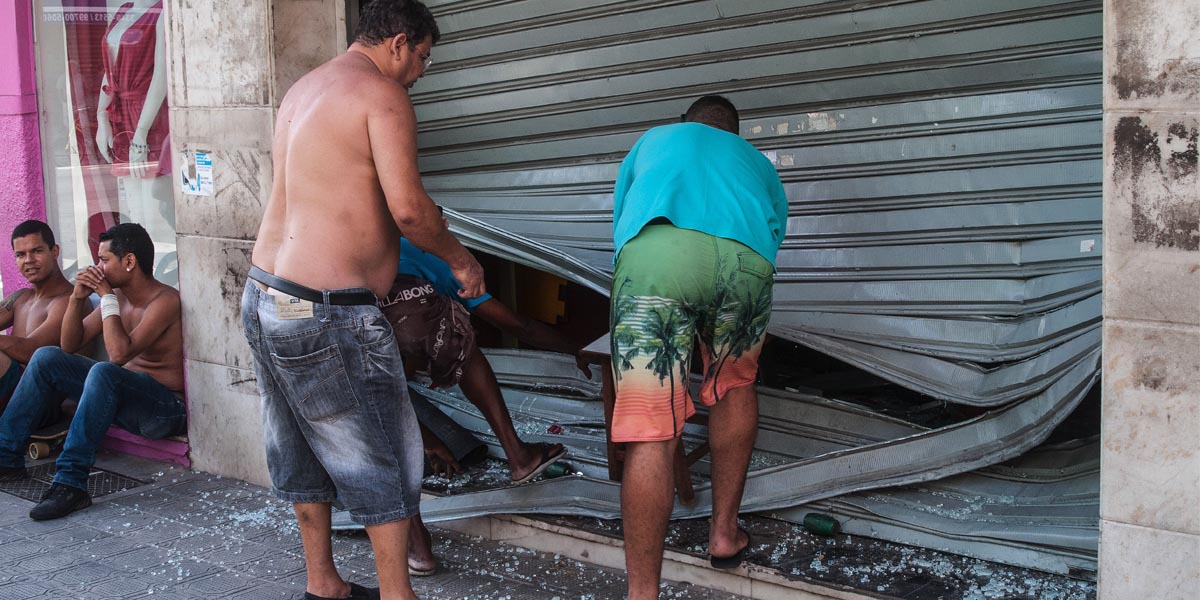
196 174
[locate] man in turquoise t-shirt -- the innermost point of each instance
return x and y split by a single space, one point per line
698 216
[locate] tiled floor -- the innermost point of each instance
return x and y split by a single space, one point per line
193 535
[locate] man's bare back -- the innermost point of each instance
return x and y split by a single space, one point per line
346 180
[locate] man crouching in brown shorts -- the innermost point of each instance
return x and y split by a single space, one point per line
432 323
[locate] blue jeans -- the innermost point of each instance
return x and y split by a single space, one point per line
337 421
108 394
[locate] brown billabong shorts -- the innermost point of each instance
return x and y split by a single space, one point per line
433 331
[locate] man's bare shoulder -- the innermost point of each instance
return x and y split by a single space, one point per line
167 295
13 301
163 295
349 81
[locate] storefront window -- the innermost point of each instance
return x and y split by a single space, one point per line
102 77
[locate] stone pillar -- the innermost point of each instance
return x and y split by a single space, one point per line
231 63
1150 465
21 193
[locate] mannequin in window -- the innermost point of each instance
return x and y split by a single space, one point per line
132 131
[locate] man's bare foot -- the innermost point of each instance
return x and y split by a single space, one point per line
727 545
535 458
421 561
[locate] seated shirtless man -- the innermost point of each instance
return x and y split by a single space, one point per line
140 387
433 330
34 314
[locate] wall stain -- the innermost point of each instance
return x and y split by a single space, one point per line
1148 62
233 280
1182 164
1132 79
1150 373
1164 211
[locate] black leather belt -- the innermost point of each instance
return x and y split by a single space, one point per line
340 297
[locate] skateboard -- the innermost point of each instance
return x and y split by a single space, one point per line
48 439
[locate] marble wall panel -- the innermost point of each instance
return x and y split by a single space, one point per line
1152 217
1139 563
212 276
239 142
1150 458
1150 54
220 53
225 423
306 34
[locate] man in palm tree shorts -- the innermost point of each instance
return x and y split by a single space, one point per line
698 217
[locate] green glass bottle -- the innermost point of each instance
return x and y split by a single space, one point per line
821 524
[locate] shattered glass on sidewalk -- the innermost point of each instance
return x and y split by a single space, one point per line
191 535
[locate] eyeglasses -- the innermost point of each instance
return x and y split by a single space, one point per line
428 61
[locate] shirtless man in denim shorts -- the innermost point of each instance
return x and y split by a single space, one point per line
329 371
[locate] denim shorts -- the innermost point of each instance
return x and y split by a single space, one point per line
337 419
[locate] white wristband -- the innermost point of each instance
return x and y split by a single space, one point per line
109 306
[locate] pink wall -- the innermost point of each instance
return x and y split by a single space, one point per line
21 193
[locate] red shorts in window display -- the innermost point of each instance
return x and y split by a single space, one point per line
129 78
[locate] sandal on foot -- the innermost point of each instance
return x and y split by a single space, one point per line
415 572
546 459
731 562
357 592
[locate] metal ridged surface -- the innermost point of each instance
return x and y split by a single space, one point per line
942 158
813 453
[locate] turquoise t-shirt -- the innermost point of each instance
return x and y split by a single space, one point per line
419 263
701 178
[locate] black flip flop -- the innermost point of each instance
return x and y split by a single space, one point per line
357 592
547 459
735 561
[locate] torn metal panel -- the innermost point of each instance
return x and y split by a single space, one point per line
793 425
942 161
1041 511
993 437
965 260
991 339
998 297
960 382
527 252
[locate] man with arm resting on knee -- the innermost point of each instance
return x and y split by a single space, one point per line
35 315
698 216
345 183
140 388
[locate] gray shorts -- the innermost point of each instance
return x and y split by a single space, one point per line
336 414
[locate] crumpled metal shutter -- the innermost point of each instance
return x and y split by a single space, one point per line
942 159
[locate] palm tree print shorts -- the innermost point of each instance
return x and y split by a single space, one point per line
672 286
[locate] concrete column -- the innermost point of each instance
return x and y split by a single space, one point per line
231 63
21 193
1150 469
